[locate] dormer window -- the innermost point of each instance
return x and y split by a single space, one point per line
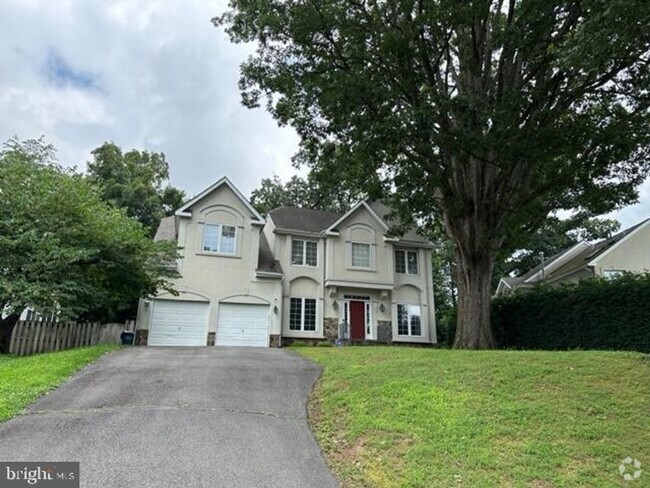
219 238
304 253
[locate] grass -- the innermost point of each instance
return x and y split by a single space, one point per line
24 379
412 417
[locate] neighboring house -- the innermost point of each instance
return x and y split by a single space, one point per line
627 251
298 274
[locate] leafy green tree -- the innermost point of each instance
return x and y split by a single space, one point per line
486 114
313 192
136 181
63 249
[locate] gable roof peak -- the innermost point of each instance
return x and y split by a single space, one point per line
185 210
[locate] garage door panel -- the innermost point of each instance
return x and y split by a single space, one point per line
243 325
178 323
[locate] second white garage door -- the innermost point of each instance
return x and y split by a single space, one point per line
243 325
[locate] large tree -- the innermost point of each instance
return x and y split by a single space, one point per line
63 249
137 181
486 114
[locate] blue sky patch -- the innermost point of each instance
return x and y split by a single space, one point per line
61 74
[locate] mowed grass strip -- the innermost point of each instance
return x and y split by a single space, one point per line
24 379
413 417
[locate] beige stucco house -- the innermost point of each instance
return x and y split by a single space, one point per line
627 251
301 274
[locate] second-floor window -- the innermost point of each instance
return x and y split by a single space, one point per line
360 255
304 253
406 262
219 238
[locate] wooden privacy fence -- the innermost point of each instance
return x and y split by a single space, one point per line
32 337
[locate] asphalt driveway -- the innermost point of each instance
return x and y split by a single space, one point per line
170 417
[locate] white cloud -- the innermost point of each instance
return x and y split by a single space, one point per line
163 79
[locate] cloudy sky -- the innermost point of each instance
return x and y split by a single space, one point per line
151 74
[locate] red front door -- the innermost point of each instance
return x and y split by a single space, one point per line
357 321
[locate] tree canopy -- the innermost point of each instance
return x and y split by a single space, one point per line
311 192
63 249
488 114
137 181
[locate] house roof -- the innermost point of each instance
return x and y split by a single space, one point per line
411 235
266 262
606 245
303 219
166 229
318 221
362 204
573 259
185 210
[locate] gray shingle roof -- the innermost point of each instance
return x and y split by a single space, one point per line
166 230
265 260
303 219
411 235
582 259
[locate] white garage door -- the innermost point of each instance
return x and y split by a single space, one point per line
243 325
178 323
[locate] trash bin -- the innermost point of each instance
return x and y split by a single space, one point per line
127 338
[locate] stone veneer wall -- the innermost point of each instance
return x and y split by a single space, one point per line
141 337
331 328
274 340
384 331
211 338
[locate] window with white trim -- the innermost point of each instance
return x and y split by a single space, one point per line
304 253
406 262
302 314
360 255
612 274
219 238
409 322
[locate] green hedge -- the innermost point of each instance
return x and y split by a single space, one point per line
594 314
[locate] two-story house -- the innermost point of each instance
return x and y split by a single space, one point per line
302 274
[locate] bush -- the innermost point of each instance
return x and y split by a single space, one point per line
593 314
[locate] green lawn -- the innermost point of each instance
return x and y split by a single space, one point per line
24 379
398 416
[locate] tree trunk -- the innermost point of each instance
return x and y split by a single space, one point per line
473 328
6 328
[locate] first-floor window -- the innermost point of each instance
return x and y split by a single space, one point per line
302 314
219 238
409 321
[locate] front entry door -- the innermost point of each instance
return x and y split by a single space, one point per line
357 321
